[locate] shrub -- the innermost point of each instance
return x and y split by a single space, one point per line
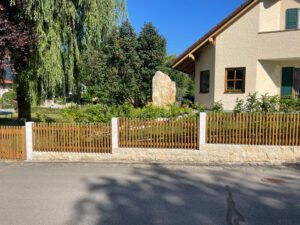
289 104
217 107
253 103
202 108
239 106
269 103
9 100
103 114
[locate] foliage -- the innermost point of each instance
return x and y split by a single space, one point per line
267 104
16 37
239 106
184 84
17 40
122 70
9 100
217 107
202 108
97 77
66 28
253 103
103 114
289 105
152 53
270 103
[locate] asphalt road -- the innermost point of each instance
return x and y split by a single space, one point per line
94 194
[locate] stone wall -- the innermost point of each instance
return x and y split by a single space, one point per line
208 155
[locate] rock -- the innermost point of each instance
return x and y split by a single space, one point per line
163 90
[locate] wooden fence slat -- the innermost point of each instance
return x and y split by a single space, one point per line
160 133
253 129
12 143
85 138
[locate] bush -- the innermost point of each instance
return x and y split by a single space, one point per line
104 114
9 100
267 104
217 107
253 103
202 108
239 106
270 103
289 105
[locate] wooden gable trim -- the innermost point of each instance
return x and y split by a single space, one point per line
211 35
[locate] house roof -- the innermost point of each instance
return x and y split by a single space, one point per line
184 62
7 82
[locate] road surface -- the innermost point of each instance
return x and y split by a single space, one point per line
106 194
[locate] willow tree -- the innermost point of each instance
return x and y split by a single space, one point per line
66 28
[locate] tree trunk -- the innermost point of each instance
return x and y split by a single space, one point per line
23 98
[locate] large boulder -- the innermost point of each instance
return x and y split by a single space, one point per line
163 90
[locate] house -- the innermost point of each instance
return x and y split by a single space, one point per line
5 86
6 81
254 49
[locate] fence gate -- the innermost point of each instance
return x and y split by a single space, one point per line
82 138
12 143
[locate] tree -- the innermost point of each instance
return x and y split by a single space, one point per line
152 51
67 29
100 79
184 83
112 73
17 43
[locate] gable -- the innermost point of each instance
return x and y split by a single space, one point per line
186 61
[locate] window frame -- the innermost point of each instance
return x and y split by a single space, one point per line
298 18
203 73
235 80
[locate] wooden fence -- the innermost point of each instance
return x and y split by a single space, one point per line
83 138
12 143
160 133
253 129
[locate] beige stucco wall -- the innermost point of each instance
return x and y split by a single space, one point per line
287 4
237 47
255 42
270 9
205 61
279 45
269 75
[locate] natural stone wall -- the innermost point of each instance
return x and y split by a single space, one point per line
163 90
208 155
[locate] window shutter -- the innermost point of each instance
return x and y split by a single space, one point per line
292 19
287 81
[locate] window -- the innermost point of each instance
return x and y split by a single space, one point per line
204 82
235 80
292 19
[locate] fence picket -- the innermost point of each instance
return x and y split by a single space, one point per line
161 133
12 143
257 128
85 138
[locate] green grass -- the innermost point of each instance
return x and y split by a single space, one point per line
50 115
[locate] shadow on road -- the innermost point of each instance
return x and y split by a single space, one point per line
163 196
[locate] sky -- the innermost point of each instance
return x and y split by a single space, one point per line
181 22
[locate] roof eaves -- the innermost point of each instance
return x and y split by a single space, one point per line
194 47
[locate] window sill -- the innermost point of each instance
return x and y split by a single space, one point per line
234 92
278 31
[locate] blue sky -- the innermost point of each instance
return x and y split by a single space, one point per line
181 22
